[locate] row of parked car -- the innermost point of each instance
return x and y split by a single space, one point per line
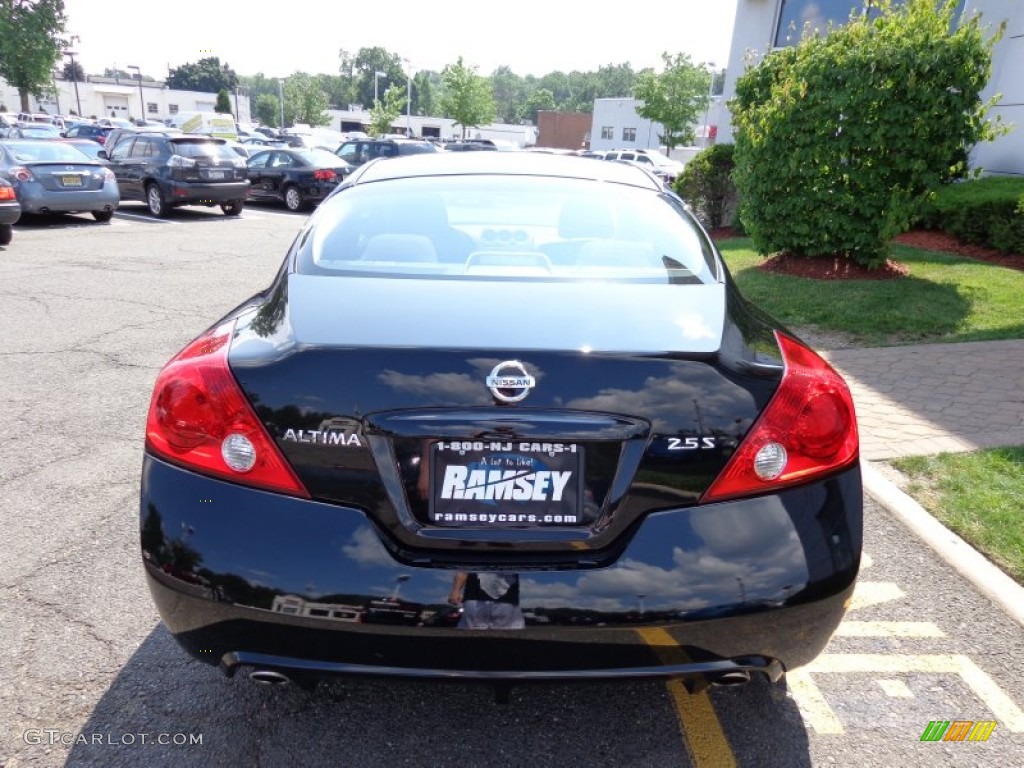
94 168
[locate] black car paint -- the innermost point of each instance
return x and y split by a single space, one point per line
220 558
207 543
270 181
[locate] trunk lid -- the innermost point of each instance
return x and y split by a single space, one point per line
607 416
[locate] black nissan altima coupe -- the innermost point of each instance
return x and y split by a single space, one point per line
501 417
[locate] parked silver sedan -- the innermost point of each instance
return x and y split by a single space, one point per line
54 177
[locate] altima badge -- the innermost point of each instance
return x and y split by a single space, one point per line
509 381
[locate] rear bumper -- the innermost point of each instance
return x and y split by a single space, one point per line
34 199
757 585
9 213
184 192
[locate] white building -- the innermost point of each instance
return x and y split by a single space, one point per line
762 25
124 98
437 128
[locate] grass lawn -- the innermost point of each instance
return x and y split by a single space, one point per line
977 495
946 298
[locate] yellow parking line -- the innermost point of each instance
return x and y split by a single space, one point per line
702 732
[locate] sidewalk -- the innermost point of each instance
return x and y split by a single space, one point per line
935 398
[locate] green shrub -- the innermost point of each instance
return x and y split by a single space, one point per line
987 211
839 137
707 184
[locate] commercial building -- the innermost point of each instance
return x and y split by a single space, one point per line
762 25
126 98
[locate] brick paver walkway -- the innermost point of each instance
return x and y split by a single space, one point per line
935 398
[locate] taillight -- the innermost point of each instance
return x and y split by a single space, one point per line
324 174
808 429
21 173
7 193
199 419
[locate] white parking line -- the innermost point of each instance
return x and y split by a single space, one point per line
140 217
821 717
888 629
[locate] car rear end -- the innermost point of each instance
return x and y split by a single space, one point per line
202 170
55 177
322 173
10 210
622 442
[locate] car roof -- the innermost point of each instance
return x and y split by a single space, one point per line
503 163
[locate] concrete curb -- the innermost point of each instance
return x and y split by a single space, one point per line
971 564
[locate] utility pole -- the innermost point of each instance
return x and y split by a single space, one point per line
142 99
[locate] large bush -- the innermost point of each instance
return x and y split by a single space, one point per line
706 184
988 211
839 137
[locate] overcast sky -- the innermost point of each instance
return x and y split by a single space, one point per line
279 37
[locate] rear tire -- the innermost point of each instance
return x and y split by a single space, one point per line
155 201
6 234
103 216
233 208
293 199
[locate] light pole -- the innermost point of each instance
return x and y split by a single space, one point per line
142 100
280 91
377 74
74 72
408 98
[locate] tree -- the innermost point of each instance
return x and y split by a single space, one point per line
467 97
423 93
72 70
118 73
223 105
540 99
268 109
676 98
304 102
840 137
207 75
385 111
509 93
29 44
366 64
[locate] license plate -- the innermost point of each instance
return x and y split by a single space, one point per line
71 181
506 484
215 174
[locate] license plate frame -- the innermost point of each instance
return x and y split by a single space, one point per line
506 484
71 180
216 175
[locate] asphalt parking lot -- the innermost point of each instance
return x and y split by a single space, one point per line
88 675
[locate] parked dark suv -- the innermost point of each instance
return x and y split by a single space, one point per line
359 151
167 171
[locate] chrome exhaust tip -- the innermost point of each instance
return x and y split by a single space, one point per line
268 677
729 679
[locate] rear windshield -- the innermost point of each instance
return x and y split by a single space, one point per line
319 158
507 227
202 148
45 152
